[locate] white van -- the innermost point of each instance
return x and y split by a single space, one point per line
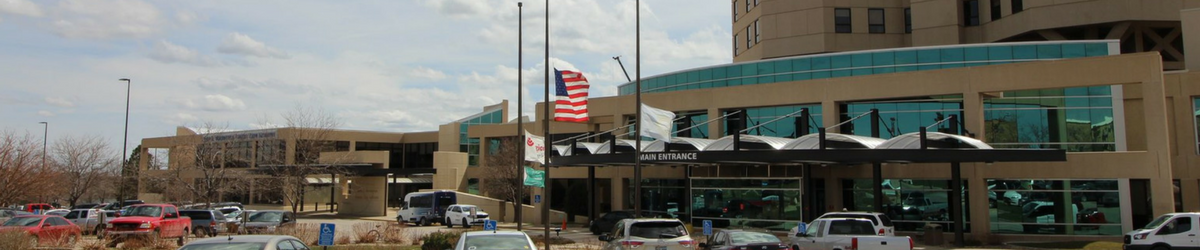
1169 231
425 208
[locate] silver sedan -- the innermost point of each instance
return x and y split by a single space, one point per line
247 242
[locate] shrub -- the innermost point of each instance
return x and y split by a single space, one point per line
341 240
308 233
395 234
15 239
440 240
147 243
362 232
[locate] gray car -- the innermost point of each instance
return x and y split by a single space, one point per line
6 214
88 220
206 223
247 242
267 221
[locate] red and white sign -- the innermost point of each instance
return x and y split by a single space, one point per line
535 148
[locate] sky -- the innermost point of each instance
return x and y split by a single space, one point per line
396 66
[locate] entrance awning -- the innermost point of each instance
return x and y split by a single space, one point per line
410 180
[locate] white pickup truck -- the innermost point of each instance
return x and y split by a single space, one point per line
844 234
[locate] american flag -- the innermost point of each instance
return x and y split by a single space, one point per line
572 93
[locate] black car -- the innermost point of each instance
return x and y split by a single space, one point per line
738 239
605 222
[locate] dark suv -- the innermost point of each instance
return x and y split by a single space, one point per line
205 223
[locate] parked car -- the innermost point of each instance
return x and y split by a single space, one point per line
247 242
425 208
845 234
461 214
206 223
267 221
84 206
6 214
1168 231
881 222
494 240
150 220
1038 213
88 220
38 208
740 240
43 228
605 222
658 234
57 212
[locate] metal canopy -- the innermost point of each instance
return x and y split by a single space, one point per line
827 156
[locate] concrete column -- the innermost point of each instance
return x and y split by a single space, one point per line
833 191
714 128
1191 194
618 193
829 115
1158 140
978 202
1191 37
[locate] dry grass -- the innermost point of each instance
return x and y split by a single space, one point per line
16 240
362 231
147 243
1085 245
585 245
342 240
308 233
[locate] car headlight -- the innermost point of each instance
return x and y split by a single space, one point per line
271 228
1140 236
108 225
145 225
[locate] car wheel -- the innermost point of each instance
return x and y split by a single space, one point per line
465 225
182 239
99 232
400 220
200 232
448 224
423 222
595 231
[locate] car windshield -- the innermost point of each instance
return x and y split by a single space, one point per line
480 242
226 246
147 211
266 217
657 230
752 238
1153 224
23 222
234 214
468 209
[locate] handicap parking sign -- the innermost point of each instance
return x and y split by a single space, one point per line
489 225
327 231
707 227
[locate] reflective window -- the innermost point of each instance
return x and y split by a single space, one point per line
971 13
772 204
1018 6
908 20
897 117
664 198
909 203
995 10
875 21
1076 119
471 145
1065 207
1196 112
758 118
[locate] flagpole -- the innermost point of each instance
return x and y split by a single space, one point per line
520 121
637 158
546 137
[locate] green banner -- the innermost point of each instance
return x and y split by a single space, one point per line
534 177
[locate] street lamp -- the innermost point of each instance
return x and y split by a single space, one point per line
45 131
124 144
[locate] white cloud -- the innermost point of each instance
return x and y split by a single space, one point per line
241 44
107 19
180 119
215 103
459 8
20 7
45 113
428 73
60 102
188 17
168 52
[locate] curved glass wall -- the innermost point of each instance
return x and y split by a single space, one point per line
782 128
897 117
910 203
471 145
868 62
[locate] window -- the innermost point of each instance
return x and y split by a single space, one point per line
755 2
757 32
875 20
748 6
735 43
1196 110
908 20
1017 6
995 10
734 10
841 20
971 13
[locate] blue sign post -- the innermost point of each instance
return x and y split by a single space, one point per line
707 227
327 231
537 198
489 225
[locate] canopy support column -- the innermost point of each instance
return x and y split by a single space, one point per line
956 202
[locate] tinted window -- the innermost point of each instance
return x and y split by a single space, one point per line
482 242
887 222
657 230
284 245
841 20
72 215
23 221
851 227
752 238
57 221
197 215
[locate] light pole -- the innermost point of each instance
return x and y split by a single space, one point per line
45 131
520 197
124 144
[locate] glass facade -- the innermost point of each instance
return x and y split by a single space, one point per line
471 145
763 203
1075 119
689 121
866 62
1062 207
897 117
909 203
660 195
781 128
1196 122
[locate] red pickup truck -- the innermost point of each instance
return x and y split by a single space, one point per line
149 220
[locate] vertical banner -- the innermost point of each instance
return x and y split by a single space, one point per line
656 123
535 148
534 177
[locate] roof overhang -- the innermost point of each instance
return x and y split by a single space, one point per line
817 156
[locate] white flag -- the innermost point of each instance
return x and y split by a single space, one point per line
656 123
535 148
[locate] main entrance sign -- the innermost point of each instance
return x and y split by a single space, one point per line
668 156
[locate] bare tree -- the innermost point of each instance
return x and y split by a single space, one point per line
310 130
23 176
82 162
501 174
208 167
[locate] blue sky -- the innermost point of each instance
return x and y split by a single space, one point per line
401 66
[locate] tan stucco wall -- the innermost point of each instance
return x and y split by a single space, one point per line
451 167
